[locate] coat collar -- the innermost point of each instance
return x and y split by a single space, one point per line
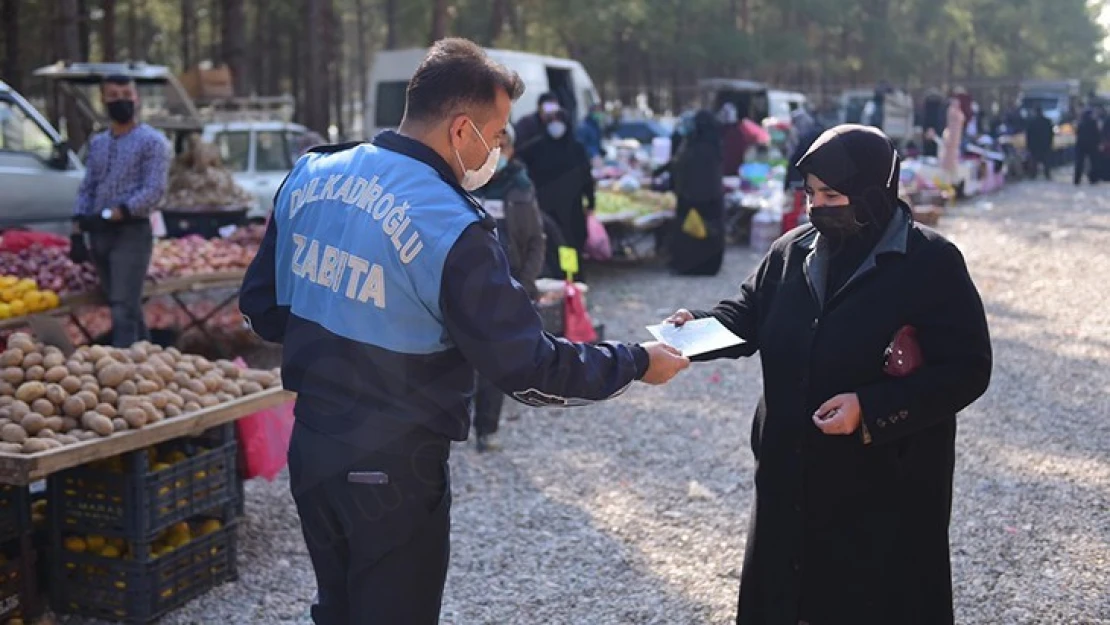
407 146
816 266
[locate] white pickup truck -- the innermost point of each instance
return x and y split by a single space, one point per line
39 174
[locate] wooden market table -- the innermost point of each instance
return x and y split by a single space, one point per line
23 469
628 230
175 288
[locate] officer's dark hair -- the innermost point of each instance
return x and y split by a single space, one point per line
456 73
548 96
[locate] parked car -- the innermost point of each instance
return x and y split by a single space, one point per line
39 174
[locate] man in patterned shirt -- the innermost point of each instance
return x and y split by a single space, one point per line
124 180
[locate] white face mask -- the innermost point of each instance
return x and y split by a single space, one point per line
477 178
556 129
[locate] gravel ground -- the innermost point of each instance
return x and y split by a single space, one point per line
635 511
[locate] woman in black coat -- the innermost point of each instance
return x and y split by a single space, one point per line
854 466
697 173
560 169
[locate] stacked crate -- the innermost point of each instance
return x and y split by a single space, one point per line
136 536
18 587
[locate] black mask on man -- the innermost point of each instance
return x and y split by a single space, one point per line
121 111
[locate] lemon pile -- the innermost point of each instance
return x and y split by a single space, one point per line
20 297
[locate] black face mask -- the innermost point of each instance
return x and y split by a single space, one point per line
121 111
835 222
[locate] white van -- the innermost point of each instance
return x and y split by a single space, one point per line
782 103
393 68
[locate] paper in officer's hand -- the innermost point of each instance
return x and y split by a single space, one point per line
698 336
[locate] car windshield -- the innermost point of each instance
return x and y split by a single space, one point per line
234 149
20 133
271 152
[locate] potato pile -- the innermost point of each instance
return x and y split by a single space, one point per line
47 400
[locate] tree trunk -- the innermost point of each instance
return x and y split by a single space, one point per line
215 52
326 67
256 55
296 64
188 32
390 24
274 75
439 21
496 21
83 31
339 96
362 63
232 37
11 70
108 31
69 48
315 82
133 30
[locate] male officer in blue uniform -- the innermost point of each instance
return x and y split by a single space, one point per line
384 280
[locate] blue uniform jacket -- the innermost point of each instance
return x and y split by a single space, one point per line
385 283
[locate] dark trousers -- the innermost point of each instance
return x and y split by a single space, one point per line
121 254
379 551
1085 162
699 257
1042 159
488 400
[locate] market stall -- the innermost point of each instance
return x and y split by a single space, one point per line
635 219
181 269
140 458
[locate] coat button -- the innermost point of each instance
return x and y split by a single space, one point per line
882 423
813 326
797 565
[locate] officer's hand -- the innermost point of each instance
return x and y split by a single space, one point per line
680 317
664 363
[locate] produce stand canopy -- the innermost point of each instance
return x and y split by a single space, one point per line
22 469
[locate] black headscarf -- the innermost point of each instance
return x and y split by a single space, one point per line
861 163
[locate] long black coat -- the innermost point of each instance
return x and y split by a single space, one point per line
560 169
843 531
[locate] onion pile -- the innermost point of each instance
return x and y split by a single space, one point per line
250 235
193 255
51 269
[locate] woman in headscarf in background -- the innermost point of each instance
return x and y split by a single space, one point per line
698 240
560 169
854 448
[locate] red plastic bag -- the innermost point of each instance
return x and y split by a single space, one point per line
264 439
598 246
577 325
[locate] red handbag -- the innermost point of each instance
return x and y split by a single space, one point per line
903 355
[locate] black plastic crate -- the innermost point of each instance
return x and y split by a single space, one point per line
15 511
17 579
138 495
132 584
206 224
